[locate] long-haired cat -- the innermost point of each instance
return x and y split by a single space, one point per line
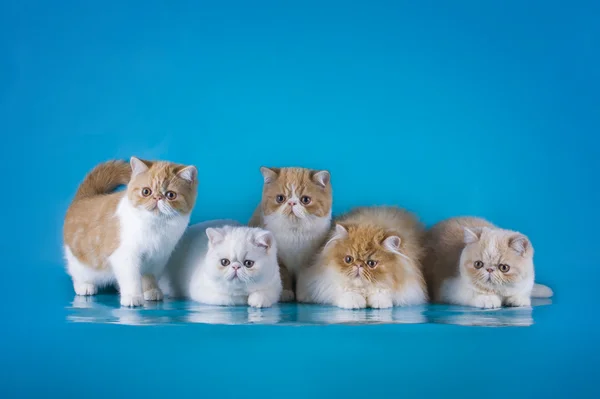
127 236
471 262
220 264
296 208
372 259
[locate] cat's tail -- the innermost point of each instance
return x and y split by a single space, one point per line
541 291
104 178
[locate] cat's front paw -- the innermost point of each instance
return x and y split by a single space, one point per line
153 294
287 296
259 300
380 301
351 300
132 300
85 289
487 302
518 301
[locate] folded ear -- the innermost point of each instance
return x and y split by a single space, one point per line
189 173
339 233
269 174
322 178
519 243
264 239
472 235
214 235
392 244
137 166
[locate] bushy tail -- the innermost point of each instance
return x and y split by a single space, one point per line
104 178
541 291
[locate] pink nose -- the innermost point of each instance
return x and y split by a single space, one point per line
236 266
490 270
292 203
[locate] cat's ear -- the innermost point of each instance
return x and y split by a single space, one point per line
215 236
339 233
392 244
269 174
519 243
264 239
189 173
322 178
137 166
472 235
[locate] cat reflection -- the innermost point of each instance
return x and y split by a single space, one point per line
468 316
308 314
206 314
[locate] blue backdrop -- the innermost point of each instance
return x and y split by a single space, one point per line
478 108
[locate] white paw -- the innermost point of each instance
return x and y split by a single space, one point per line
287 296
132 300
153 294
518 301
259 300
85 289
380 301
487 302
351 300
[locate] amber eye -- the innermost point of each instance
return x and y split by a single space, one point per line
504 268
306 199
478 264
225 262
348 259
171 195
280 198
248 263
371 263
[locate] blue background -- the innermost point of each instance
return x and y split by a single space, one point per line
482 108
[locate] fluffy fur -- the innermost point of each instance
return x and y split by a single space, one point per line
471 262
127 237
372 259
220 264
296 208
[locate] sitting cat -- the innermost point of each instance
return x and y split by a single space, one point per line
471 262
372 259
296 208
219 264
127 237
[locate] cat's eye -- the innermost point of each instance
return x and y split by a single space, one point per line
146 192
478 264
248 263
371 263
171 195
306 199
348 259
225 262
504 268
280 198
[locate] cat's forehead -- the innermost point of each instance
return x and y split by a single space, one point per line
295 178
237 242
492 244
160 173
362 239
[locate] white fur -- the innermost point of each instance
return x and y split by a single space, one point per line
195 270
146 242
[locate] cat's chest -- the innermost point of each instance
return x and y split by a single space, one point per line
296 248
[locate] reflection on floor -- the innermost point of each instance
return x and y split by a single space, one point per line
106 309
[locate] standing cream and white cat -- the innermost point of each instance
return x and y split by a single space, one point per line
127 237
217 263
372 259
296 208
471 262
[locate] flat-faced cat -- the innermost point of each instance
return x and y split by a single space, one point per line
296 208
372 259
126 237
220 264
471 262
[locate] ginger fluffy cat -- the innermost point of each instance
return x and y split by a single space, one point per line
372 259
127 237
471 262
296 208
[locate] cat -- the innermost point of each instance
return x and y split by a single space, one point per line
219 264
372 259
126 237
296 208
471 262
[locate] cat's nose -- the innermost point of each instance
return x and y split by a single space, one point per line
236 266
292 203
489 269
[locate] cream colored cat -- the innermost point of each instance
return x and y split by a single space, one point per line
471 262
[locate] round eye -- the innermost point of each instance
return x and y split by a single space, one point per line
146 191
371 263
504 268
306 199
348 259
171 195
248 263
478 264
225 262
280 198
